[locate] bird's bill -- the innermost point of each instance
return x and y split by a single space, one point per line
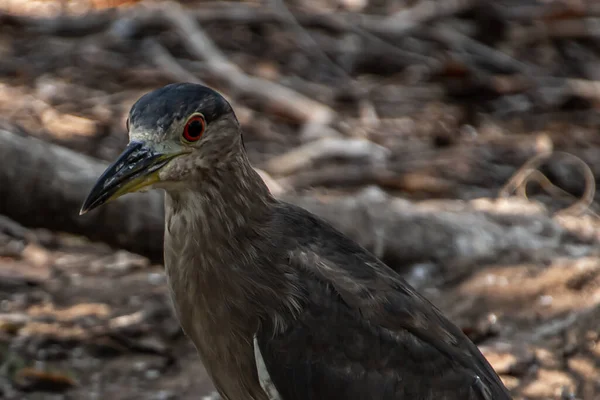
136 168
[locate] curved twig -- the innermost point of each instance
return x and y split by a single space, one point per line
529 171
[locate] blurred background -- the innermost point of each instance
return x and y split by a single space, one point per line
456 139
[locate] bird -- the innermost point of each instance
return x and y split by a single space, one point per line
278 303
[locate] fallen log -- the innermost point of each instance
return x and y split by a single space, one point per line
43 185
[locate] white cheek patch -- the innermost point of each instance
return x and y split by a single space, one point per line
263 375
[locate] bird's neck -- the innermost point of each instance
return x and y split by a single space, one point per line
219 227
216 240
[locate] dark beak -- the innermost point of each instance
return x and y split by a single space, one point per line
136 168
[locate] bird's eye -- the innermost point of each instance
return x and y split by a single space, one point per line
194 129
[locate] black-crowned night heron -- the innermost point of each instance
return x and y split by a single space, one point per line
278 303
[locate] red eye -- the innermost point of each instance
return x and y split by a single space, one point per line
194 128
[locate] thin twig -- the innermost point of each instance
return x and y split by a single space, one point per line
307 40
461 42
161 57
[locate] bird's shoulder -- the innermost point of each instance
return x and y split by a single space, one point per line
361 322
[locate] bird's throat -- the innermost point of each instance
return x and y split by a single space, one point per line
221 202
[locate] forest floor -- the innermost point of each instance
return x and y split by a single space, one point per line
406 126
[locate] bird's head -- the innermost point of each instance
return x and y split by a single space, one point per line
175 133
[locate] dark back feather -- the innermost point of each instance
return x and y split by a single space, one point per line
364 333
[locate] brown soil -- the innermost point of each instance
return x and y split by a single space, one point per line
81 320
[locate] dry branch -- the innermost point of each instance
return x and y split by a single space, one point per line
473 169
275 96
422 13
318 150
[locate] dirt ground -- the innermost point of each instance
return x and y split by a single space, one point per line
89 322
417 137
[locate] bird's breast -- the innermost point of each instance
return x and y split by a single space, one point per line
212 313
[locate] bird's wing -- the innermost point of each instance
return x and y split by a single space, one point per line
364 333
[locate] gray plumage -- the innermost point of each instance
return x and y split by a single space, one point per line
330 320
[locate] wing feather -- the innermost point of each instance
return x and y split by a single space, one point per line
364 333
